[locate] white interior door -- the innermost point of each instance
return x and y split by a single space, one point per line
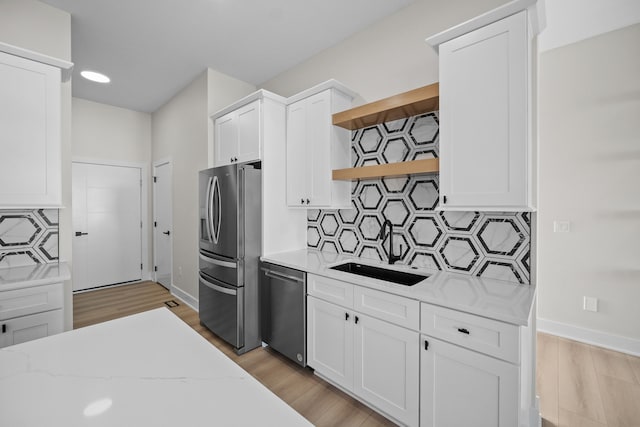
107 241
163 225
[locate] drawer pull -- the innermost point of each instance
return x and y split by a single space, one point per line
357 320
463 331
4 328
346 316
426 345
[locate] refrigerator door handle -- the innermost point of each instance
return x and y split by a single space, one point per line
218 262
216 287
215 225
208 218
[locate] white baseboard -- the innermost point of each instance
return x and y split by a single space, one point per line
590 336
184 297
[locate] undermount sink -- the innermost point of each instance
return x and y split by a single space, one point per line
399 277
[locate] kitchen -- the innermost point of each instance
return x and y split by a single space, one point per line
174 119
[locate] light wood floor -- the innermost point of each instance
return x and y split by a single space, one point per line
582 385
319 402
579 385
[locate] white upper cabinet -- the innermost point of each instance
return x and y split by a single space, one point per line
30 126
237 135
485 118
315 147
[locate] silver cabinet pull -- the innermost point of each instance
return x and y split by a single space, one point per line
276 275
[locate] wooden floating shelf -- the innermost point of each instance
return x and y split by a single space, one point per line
389 169
418 101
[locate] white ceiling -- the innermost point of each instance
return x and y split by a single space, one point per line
153 48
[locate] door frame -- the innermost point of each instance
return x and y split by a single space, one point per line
164 161
144 205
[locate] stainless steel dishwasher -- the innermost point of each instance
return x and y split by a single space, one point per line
284 310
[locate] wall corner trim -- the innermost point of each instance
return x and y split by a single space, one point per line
590 336
184 297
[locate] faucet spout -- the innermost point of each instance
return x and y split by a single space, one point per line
387 224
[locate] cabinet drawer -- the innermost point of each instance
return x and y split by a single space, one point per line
392 308
28 328
330 290
22 302
487 336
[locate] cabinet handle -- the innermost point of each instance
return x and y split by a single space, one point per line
444 199
231 159
302 201
308 201
463 331
426 345
357 318
346 316
4 328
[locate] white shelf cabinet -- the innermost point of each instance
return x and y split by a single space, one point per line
315 147
460 387
375 360
237 135
485 118
30 313
30 133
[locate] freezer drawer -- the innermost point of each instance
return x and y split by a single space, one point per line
221 309
226 270
283 311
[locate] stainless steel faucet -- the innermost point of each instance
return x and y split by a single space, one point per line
392 258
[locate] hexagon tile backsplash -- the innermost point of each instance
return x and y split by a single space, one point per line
487 244
28 237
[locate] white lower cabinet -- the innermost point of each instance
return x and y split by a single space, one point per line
27 328
386 367
460 387
375 360
330 341
31 313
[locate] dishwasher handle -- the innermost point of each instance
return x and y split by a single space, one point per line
280 276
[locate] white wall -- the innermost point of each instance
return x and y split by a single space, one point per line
589 175
108 134
36 26
386 58
179 132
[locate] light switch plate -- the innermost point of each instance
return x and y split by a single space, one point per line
561 226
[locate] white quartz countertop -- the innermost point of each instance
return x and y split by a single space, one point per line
149 369
494 299
33 275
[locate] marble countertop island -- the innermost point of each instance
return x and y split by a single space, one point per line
149 369
495 299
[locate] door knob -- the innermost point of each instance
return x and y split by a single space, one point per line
166 232
80 233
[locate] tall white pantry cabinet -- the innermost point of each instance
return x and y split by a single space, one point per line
30 128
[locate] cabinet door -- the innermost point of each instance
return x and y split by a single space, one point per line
29 133
297 154
330 341
386 367
484 139
27 328
249 132
225 145
460 387
318 141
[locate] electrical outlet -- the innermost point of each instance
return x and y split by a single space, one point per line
561 226
590 304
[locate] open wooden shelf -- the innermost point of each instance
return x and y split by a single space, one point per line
389 169
407 104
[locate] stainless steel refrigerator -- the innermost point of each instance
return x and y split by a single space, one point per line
230 244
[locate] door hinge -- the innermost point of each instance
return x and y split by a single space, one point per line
140 266
155 268
155 179
155 223
140 224
140 183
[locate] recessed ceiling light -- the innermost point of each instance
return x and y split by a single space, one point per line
95 77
